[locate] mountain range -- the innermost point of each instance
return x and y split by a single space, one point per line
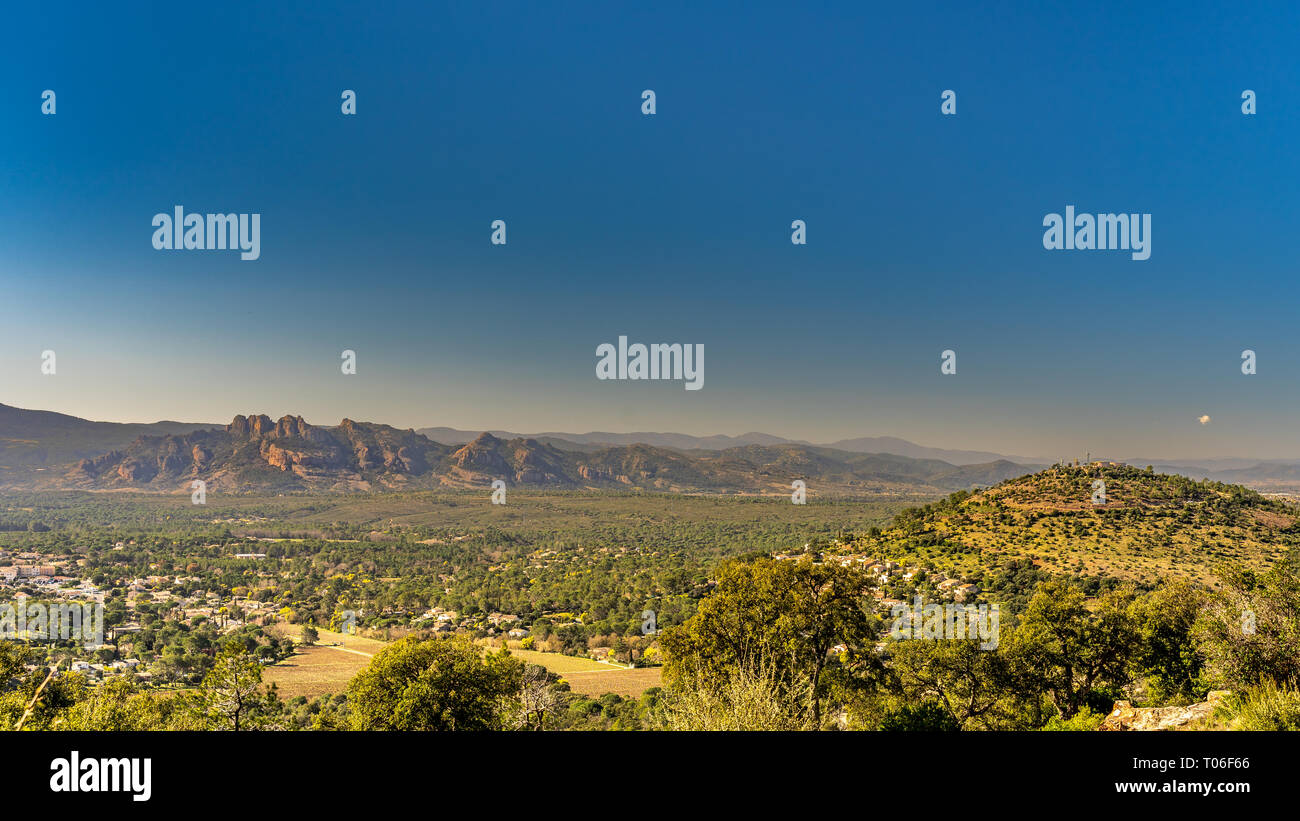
256 453
682 441
47 449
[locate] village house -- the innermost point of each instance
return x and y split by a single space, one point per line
33 571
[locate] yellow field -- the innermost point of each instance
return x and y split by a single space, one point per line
358 643
628 683
561 664
327 667
314 671
328 638
594 678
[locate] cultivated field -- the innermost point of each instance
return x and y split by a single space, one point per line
595 678
328 666
628 683
324 668
314 671
561 664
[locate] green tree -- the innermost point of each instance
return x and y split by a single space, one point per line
436 684
1249 632
13 657
775 622
1167 656
231 695
958 675
927 716
117 705
1073 648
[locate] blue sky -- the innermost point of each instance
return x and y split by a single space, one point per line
924 231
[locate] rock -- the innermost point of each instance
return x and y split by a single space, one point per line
1124 716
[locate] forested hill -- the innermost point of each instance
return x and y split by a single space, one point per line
1148 526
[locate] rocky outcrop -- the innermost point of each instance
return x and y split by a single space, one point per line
257 425
518 461
483 454
1124 716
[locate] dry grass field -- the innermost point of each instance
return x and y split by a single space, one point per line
561 664
314 671
627 683
594 678
327 667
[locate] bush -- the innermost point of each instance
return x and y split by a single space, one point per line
1265 707
1085 720
750 698
924 717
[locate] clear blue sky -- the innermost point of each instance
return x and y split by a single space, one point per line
924 231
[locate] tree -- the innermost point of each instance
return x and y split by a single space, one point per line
40 700
116 706
774 622
828 612
436 684
1168 658
537 696
1250 632
230 696
750 698
926 716
955 675
1072 649
309 635
13 657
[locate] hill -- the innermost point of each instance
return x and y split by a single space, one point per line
1152 526
40 439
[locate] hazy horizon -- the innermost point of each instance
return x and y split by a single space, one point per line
533 430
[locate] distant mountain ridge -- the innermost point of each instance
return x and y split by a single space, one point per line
683 441
257 453
32 438
1275 475
293 454
677 441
